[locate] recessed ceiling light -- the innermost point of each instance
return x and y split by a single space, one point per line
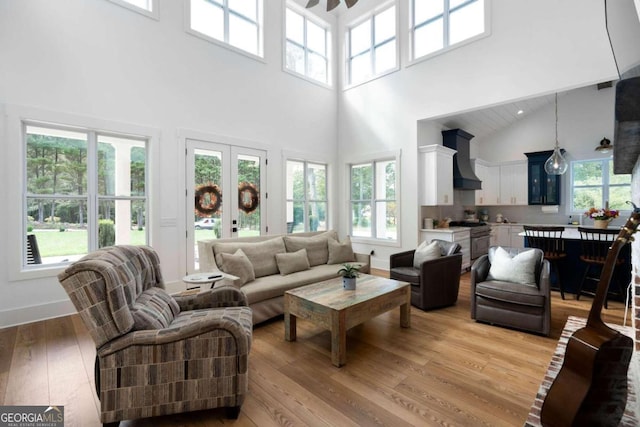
520 112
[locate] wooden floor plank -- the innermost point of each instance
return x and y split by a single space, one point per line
28 382
444 370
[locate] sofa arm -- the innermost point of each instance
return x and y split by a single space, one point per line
366 260
402 259
479 273
223 296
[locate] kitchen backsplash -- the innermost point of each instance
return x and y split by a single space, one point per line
520 214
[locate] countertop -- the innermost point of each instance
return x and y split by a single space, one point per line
446 230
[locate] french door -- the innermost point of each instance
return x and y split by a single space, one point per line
225 193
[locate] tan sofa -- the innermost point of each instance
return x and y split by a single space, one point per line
265 294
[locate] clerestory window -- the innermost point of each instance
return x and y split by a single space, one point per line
307 46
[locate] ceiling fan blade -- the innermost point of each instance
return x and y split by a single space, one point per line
332 4
312 3
350 2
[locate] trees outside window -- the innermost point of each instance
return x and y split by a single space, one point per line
84 190
373 212
306 194
593 184
438 24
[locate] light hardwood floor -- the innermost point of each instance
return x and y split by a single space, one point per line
444 370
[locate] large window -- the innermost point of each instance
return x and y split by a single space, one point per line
371 47
373 200
306 196
593 184
438 24
237 23
84 190
307 47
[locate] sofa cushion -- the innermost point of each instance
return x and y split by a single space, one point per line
317 246
238 264
340 252
426 252
268 287
153 309
292 262
520 268
261 254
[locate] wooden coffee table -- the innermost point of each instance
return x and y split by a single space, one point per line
328 305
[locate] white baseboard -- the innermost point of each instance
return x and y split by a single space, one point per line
34 313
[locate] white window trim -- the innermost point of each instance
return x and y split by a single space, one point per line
330 57
261 26
14 166
605 186
305 158
386 155
153 13
413 61
346 78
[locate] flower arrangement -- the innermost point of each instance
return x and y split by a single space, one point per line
602 214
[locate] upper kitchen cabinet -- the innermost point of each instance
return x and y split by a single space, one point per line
489 174
513 183
544 189
436 175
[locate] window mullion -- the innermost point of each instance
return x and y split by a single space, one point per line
92 190
445 23
372 46
226 21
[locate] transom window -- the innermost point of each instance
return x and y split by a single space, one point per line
307 47
372 47
83 190
593 184
306 196
374 210
145 7
438 24
237 23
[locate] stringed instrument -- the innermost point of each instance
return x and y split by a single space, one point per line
591 387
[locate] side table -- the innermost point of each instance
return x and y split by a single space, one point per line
197 280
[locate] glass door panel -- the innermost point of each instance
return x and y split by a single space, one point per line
249 206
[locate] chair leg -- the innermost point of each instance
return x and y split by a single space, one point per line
555 265
233 412
584 277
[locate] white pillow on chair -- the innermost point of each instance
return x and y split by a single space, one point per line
426 252
520 268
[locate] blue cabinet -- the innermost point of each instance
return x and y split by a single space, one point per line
544 189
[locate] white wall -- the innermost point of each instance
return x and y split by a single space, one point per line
534 48
97 60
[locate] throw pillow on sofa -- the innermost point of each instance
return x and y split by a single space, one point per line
292 262
317 246
153 309
426 252
238 264
261 254
340 252
520 268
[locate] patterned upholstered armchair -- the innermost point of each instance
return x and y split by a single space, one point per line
158 354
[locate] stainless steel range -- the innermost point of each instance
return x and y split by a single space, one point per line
480 233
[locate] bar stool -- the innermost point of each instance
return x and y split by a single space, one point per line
595 246
549 240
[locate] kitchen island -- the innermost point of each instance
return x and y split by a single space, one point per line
572 268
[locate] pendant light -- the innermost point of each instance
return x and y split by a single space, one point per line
605 146
556 164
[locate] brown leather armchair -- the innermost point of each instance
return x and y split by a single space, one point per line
513 305
435 284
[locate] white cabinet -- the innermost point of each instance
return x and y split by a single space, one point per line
513 183
506 235
489 174
435 183
460 235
